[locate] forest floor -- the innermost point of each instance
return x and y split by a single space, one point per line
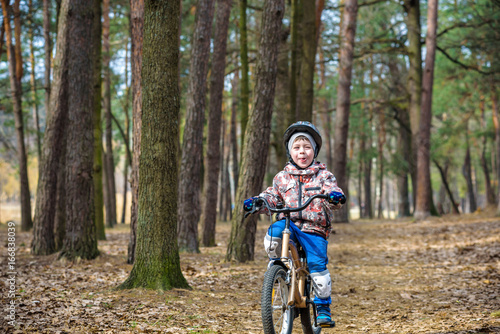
441 275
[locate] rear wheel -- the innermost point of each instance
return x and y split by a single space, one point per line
277 316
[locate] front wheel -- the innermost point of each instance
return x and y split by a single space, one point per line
307 314
277 316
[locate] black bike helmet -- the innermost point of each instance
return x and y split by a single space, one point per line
303 126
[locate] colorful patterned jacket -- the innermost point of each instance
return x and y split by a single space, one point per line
293 187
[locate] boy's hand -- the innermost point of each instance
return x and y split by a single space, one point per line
336 197
249 203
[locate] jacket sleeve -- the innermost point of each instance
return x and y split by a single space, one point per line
329 185
272 195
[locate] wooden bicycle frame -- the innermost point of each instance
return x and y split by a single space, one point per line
298 272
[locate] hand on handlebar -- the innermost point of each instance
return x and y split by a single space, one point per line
336 197
249 204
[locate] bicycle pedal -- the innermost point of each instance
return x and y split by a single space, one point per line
327 324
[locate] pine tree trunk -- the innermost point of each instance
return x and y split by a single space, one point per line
48 55
283 117
34 105
52 150
212 168
109 163
424 191
81 239
467 173
443 172
293 58
97 125
137 23
367 172
412 9
189 209
343 103
15 70
308 59
157 263
234 140
490 194
60 214
126 137
404 152
244 83
255 148
381 146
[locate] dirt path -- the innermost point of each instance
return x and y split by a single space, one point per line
436 276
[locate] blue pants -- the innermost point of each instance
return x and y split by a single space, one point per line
315 247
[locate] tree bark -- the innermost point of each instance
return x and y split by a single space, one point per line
157 262
424 191
48 54
244 83
467 173
97 123
126 137
412 9
348 32
490 194
34 106
293 58
212 168
189 209
52 150
283 117
380 158
367 172
137 23
443 173
307 66
109 163
16 91
234 139
255 148
81 239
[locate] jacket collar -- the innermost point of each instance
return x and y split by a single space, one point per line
314 168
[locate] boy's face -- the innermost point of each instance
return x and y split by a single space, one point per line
302 153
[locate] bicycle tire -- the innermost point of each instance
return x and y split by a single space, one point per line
277 316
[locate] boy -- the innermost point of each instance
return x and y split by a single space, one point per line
301 178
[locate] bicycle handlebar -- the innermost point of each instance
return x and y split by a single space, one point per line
285 210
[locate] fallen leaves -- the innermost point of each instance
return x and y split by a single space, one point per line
437 276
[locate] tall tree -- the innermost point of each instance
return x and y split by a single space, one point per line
244 82
424 194
256 145
307 66
109 162
294 25
48 53
157 263
348 32
97 119
136 34
192 144
50 170
412 9
15 71
211 182
80 240
34 105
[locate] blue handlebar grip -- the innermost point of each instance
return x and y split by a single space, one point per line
336 197
248 204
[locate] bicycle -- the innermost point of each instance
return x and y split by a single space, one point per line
287 287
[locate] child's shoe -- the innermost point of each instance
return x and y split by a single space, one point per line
324 317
